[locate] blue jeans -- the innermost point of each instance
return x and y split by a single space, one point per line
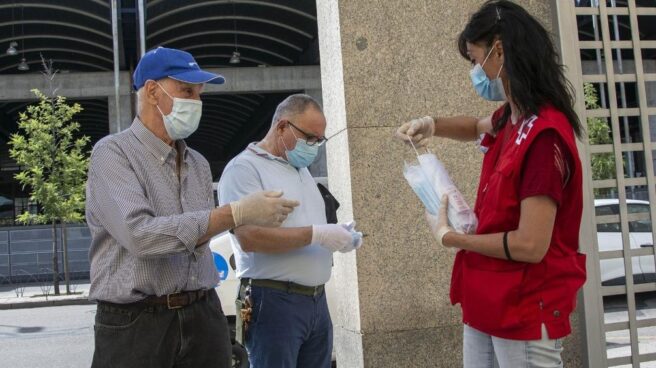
289 330
481 350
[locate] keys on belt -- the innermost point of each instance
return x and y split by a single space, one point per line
246 311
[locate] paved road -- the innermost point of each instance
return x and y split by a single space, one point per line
49 337
618 343
62 337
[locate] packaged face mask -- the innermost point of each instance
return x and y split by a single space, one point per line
422 187
429 179
356 236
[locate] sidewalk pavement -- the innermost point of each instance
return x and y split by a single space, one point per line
16 296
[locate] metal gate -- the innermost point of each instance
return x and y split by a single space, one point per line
609 49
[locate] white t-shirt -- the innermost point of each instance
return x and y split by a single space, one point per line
255 170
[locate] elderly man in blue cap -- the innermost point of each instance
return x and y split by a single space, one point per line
151 212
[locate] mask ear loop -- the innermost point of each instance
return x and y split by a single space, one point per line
415 148
499 73
488 56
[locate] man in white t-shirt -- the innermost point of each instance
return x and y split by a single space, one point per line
283 270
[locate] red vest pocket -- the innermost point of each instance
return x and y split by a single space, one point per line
566 275
492 297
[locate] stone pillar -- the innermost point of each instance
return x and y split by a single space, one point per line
382 63
122 122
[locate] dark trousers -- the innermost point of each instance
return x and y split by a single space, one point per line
289 330
140 336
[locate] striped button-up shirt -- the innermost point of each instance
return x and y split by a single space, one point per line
146 217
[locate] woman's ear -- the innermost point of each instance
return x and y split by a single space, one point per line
498 48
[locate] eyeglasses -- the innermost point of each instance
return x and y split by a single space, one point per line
310 139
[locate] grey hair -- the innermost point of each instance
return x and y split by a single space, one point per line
140 98
140 94
294 105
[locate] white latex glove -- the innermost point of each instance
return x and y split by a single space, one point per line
350 226
356 237
439 225
333 237
419 131
262 209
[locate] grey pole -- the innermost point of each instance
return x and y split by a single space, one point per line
142 27
117 83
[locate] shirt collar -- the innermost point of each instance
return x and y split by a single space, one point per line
261 152
182 146
155 146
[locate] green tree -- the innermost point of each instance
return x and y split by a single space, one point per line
603 164
54 164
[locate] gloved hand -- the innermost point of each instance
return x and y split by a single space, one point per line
262 209
439 225
355 235
419 131
333 237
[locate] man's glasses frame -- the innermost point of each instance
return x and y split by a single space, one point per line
310 139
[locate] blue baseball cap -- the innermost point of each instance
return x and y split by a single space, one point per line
163 62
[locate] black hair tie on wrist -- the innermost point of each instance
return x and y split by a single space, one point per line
505 246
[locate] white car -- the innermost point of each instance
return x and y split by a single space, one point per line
227 290
224 261
609 237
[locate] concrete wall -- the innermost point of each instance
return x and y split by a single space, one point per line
382 63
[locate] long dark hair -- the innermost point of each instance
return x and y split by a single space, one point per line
536 77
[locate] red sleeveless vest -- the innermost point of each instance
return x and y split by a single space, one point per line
513 299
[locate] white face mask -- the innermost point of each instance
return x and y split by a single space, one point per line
184 117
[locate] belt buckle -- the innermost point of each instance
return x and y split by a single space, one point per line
168 301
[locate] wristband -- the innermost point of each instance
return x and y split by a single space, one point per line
505 246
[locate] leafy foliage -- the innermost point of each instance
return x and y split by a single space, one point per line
603 164
54 162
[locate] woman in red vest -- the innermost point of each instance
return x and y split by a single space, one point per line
516 279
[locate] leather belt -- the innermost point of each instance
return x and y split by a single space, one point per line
287 286
177 300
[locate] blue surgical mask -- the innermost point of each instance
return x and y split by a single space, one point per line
357 238
491 90
303 155
184 117
422 186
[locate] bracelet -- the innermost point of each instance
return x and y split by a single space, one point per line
505 246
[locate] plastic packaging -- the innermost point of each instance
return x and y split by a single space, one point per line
430 181
356 236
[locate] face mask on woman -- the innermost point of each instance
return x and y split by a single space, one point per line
491 90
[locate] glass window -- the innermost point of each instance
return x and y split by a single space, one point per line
642 225
605 211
